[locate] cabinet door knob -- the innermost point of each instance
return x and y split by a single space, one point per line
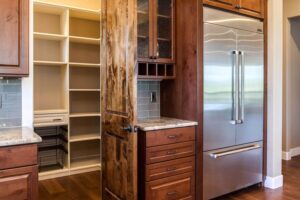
238 6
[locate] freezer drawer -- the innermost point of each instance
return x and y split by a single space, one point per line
230 169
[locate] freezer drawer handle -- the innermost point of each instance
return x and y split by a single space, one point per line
227 153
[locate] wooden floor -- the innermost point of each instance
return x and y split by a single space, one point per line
87 187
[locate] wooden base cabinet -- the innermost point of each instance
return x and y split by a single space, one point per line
19 183
167 164
18 173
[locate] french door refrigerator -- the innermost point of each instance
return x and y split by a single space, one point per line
233 102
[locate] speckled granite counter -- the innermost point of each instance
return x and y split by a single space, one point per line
163 123
17 136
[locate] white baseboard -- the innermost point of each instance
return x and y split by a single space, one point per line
274 182
287 155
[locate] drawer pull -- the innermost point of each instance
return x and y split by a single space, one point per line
239 150
172 193
171 169
171 152
172 137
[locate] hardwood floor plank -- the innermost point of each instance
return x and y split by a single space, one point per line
87 187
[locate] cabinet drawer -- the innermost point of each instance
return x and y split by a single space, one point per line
41 120
169 168
18 156
175 187
170 136
169 152
19 183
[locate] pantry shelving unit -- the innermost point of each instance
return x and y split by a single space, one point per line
67 80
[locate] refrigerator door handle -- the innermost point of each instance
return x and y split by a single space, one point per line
241 86
235 151
235 87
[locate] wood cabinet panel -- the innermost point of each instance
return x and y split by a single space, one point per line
254 8
175 187
156 31
18 156
251 7
169 168
169 152
14 37
9 46
19 183
170 136
226 4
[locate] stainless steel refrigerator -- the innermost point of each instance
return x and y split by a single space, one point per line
233 102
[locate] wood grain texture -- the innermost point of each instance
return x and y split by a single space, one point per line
87 186
252 8
14 40
11 157
169 168
175 187
183 97
169 152
19 183
170 136
9 42
119 61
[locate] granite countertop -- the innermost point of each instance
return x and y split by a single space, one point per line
163 123
17 136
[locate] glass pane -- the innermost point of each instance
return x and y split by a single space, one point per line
164 28
143 28
165 49
165 7
143 47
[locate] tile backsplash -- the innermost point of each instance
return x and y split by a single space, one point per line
146 108
10 103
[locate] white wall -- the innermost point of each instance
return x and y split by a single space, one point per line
275 70
291 125
27 83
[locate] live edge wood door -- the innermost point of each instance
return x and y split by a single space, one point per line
119 59
14 37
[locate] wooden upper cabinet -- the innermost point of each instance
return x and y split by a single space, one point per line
254 8
14 38
156 31
251 7
225 4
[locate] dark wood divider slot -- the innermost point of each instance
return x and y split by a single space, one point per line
152 69
157 71
161 70
170 70
142 69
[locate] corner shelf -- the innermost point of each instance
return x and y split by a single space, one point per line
156 71
76 64
49 63
85 40
95 114
49 36
85 137
67 75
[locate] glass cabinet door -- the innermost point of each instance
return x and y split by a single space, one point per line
143 28
163 46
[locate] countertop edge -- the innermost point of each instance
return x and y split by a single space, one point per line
170 126
19 136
